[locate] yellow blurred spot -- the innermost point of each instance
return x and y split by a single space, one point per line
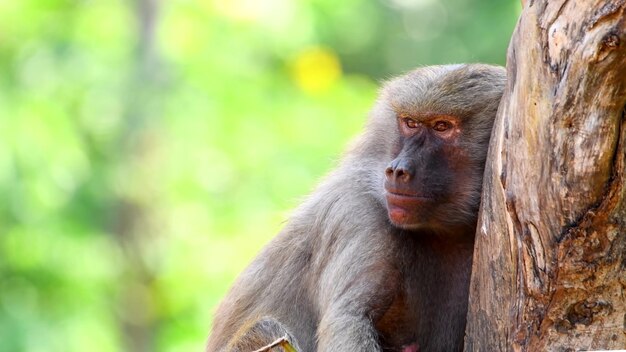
241 10
316 69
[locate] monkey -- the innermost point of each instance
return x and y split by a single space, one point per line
378 257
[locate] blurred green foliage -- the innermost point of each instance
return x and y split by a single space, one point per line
149 149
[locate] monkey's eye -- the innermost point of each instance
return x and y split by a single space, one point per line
410 123
441 126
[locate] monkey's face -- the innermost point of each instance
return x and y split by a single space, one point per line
420 180
443 122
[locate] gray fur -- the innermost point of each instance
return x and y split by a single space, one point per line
336 274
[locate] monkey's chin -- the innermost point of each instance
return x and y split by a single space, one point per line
402 219
404 211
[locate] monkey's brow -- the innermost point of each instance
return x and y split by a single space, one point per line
423 115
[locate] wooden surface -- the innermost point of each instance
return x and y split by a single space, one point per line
549 268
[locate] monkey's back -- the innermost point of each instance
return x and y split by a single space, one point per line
279 271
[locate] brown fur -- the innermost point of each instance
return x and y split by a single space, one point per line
340 276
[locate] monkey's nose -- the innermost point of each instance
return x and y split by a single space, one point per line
400 170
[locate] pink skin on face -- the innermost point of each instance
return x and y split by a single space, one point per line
401 208
411 348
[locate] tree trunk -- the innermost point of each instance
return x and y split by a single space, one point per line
549 270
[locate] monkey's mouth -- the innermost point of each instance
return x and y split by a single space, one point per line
404 209
403 196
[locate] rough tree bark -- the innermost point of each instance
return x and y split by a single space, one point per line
549 270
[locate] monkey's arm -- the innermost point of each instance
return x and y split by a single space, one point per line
355 289
344 330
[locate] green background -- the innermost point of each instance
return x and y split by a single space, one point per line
150 148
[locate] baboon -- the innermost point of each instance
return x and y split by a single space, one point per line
378 257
